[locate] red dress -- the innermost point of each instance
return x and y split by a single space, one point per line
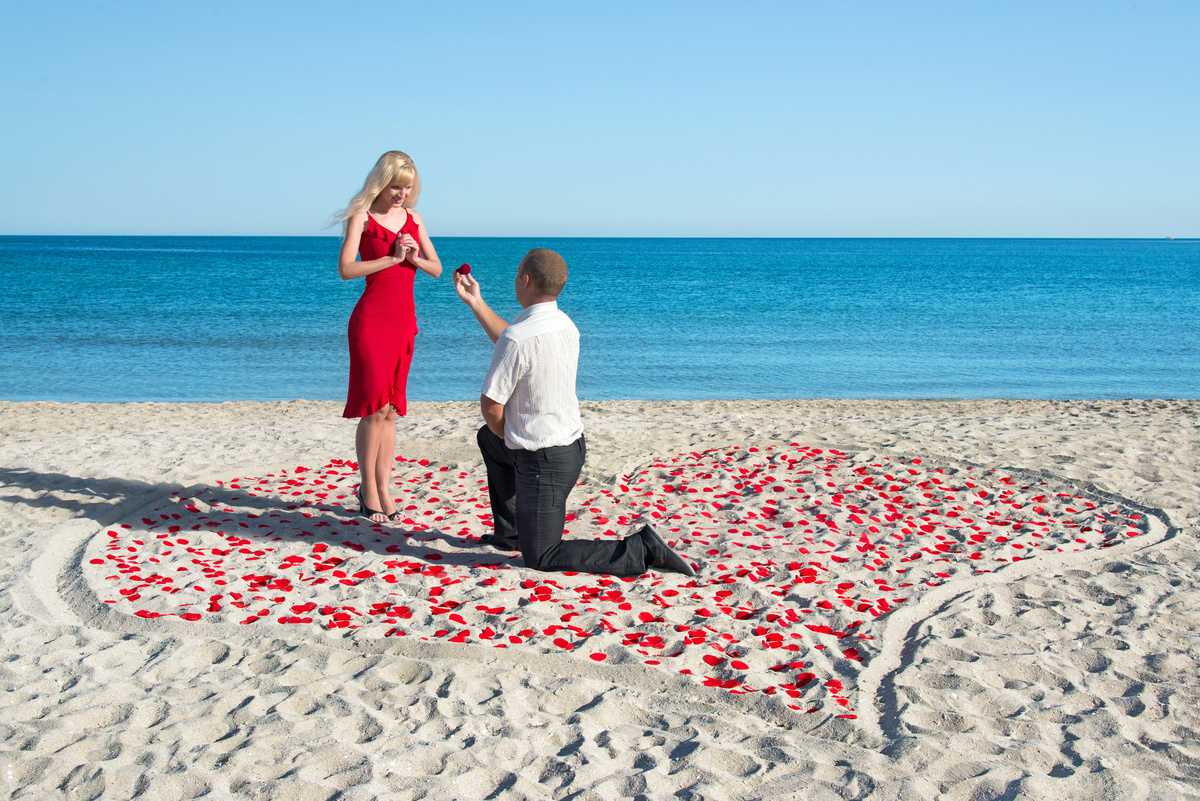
383 327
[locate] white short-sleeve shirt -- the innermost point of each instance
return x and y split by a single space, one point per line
533 375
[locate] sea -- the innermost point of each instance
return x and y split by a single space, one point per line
264 318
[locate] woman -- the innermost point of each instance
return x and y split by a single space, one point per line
392 244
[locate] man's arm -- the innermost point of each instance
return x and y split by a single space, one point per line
493 415
468 292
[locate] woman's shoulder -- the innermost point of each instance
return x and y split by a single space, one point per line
355 226
416 215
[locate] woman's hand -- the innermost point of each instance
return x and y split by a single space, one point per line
400 250
411 245
407 248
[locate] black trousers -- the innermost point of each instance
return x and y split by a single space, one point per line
528 491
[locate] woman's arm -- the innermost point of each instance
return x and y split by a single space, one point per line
348 268
428 260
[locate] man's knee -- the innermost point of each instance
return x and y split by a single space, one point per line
536 561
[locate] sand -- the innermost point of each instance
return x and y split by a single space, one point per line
901 600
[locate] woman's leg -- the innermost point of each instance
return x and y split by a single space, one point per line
367 442
385 459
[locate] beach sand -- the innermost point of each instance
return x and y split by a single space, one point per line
895 600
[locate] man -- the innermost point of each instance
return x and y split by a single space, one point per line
532 441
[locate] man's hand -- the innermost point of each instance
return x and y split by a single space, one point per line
493 415
467 289
468 292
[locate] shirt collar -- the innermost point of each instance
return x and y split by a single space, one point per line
537 309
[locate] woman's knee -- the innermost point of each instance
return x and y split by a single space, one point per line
381 416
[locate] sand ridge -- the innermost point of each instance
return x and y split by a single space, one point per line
1037 659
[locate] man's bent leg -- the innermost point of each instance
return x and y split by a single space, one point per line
502 486
544 480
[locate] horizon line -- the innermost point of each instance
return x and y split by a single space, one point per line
596 236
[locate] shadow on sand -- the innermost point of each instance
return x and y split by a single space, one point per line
107 500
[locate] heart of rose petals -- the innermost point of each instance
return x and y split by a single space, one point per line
803 552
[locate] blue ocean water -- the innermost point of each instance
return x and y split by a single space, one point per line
264 318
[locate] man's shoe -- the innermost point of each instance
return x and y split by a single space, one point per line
498 544
660 556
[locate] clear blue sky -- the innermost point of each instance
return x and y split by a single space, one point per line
606 119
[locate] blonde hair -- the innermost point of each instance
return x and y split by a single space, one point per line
393 167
